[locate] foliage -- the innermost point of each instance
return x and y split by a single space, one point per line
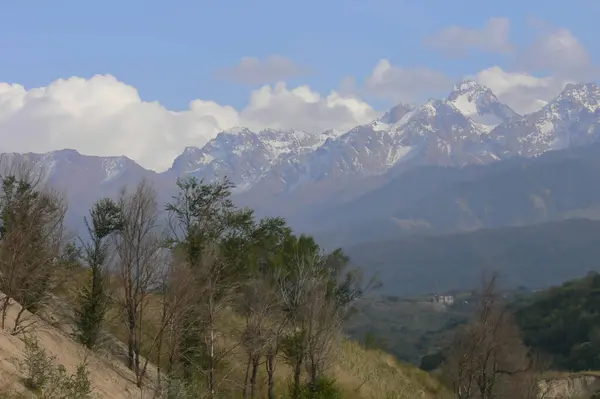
93 298
408 328
564 322
31 244
323 388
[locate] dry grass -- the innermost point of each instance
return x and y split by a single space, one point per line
359 373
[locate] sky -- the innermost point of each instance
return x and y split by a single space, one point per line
147 78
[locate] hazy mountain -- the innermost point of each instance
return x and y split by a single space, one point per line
533 256
429 200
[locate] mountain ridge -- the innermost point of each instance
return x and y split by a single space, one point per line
285 171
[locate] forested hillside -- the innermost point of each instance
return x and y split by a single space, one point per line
564 321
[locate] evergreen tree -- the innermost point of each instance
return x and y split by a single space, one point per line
104 219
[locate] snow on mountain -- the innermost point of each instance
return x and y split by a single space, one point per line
478 103
244 156
571 119
470 126
434 133
55 166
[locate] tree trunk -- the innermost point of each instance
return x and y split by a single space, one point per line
130 341
270 365
255 364
5 304
247 377
297 375
211 364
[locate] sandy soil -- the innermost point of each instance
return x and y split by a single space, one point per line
110 378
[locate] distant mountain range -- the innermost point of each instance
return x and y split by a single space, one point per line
398 159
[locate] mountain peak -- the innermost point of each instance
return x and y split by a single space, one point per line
574 98
396 113
67 152
237 130
477 102
468 85
579 92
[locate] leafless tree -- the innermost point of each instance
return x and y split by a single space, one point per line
178 296
260 305
139 246
313 317
488 358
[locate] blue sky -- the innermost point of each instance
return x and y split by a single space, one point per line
170 50
317 65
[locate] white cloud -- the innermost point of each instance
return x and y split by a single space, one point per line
457 41
405 84
559 52
254 71
522 92
305 109
103 116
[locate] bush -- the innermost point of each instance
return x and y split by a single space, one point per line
178 388
50 381
37 364
323 388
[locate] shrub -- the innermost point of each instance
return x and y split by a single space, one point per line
323 388
50 381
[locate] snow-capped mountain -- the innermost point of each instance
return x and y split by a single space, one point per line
245 156
571 119
68 165
478 103
470 126
437 132
81 178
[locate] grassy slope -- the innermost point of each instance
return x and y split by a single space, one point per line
360 373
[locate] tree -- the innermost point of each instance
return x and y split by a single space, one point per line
317 291
105 219
260 305
487 358
140 258
210 233
31 241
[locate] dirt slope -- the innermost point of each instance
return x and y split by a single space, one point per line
110 379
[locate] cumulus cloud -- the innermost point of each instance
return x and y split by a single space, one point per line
254 71
104 116
559 52
305 109
522 92
458 41
404 84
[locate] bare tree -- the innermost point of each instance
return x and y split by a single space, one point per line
488 357
32 239
140 249
260 305
312 323
177 297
